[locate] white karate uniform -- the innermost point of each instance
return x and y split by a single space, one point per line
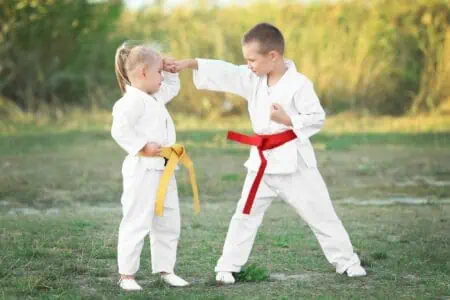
291 171
139 118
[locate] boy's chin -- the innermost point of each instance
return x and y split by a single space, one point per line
259 73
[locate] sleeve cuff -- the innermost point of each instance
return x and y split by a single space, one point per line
296 122
198 75
297 126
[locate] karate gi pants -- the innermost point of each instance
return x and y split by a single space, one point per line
139 220
307 193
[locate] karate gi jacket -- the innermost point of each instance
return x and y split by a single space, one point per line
294 92
140 118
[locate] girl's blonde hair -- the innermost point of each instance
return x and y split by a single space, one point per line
128 56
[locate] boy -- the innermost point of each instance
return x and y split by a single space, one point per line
285 111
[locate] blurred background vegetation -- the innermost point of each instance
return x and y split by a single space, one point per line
376 57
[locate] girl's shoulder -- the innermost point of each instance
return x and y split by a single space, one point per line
129 102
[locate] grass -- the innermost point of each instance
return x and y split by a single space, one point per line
78 119
252 273
73 255
59 214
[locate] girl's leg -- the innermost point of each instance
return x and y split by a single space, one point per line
137 209
165 233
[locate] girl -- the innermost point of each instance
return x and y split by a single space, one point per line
141 126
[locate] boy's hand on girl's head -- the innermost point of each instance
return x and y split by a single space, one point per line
279 115
151 149
182 64
169 64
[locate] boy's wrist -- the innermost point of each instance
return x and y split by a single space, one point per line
186 63
192 63
288 121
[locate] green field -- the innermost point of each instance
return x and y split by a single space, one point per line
60 211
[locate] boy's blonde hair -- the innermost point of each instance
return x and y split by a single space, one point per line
128 56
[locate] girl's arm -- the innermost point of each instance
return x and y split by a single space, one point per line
170 87
125 113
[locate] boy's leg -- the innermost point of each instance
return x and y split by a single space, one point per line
165 233
137 210
243 228
306 191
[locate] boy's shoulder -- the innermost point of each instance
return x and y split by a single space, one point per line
295 75
301 77
299 80
304 80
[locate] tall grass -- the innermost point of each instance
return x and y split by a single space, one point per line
380 56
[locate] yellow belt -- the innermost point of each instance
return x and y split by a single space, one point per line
174 154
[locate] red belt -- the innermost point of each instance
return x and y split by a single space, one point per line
262 142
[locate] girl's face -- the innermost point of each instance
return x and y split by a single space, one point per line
152 76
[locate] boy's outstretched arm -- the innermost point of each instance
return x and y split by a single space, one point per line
220 76
190 63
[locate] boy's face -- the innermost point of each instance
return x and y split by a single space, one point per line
259 63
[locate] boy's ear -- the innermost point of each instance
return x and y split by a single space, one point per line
273 54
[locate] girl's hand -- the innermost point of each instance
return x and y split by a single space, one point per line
151 149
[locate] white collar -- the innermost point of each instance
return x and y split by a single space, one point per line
291 69
290 65
131 90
